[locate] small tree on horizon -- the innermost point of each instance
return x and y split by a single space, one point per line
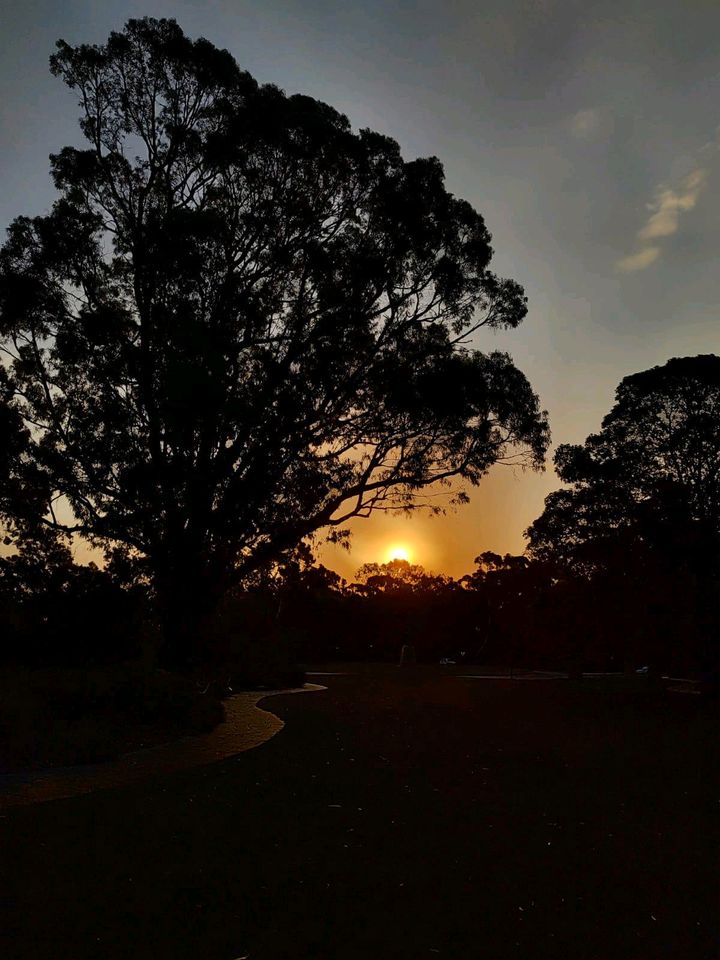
240 323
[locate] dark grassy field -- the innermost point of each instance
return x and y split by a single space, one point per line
400 814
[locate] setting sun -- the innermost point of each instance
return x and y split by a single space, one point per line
398 552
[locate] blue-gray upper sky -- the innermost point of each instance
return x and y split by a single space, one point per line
585 133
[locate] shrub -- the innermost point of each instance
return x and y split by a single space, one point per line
251 647
80 716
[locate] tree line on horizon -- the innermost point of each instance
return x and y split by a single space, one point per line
243 323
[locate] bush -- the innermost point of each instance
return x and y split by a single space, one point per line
81 716
248 644
267 663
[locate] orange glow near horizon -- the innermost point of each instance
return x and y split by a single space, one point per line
506 502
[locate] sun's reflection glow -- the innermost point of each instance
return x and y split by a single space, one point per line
398 551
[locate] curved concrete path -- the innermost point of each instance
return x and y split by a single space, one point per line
245 726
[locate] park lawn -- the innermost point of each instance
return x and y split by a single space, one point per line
399 814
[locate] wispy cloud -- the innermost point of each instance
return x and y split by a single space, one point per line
664 220
669 205
638 261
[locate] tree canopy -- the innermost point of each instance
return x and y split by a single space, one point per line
650 479
241 322
398 576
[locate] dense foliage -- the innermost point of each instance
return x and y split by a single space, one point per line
653 468
638 527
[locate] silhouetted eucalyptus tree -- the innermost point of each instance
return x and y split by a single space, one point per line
653 468
242 322
641 519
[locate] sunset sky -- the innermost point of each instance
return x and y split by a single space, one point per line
586 135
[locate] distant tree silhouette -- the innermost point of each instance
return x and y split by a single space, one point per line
296 571
506 590
241 322
641 517
56 611
401 603
398 575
